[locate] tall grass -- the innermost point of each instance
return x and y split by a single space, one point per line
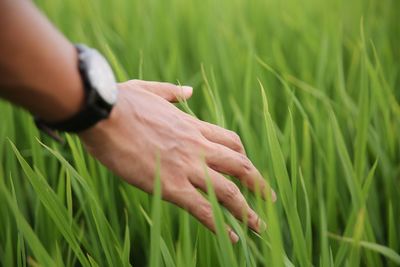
313 89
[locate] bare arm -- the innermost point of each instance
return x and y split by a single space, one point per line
38 65
38 70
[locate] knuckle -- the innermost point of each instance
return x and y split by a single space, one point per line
194 141
252 216
203 144
198 140
231 191
246 166
260 184
205 213
175 186
206 128
193 120
235 138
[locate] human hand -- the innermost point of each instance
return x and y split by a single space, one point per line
144 125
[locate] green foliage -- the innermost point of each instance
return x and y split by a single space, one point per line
312 87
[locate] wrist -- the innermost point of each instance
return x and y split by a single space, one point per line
99 90
102 129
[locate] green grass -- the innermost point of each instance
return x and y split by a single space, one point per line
313 89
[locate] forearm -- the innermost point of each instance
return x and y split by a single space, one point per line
38 66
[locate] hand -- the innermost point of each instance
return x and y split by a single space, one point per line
144 125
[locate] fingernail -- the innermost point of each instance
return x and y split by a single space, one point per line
234 237
273 195
262 226
187 90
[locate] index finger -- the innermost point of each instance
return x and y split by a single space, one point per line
227 161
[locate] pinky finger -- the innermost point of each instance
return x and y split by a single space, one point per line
199 207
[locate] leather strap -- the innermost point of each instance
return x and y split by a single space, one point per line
94 109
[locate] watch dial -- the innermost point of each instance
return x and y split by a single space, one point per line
101 76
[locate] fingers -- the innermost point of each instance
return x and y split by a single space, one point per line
201 209
225 160
228 156
221 136
231 197
168 91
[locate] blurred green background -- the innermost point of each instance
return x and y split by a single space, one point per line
327 141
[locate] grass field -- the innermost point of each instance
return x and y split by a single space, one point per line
313 89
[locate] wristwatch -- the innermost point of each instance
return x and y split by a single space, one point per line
100 94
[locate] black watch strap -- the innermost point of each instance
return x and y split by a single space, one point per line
81 121
94 108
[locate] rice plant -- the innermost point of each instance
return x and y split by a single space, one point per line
313 89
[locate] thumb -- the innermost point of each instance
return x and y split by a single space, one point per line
168 91
173 93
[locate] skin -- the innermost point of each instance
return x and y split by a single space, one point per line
143 128
38 65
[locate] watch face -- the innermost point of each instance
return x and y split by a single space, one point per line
100 75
